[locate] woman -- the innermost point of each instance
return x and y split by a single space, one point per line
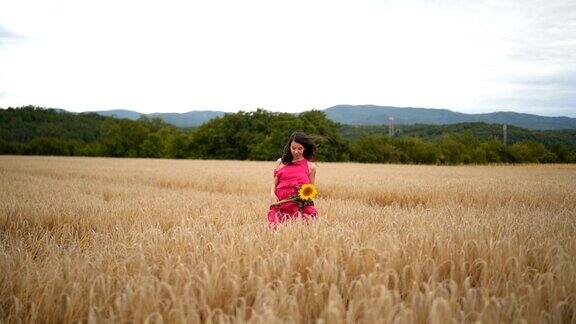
290 172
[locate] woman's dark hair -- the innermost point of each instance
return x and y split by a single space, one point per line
305 140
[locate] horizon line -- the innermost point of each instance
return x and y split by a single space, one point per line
297 112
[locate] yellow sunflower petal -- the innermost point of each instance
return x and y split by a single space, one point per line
307 192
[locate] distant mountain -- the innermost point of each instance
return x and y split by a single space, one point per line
188 119
128 114
378 115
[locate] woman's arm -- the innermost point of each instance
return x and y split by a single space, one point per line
273 196
312 168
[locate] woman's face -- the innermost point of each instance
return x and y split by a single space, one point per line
297 150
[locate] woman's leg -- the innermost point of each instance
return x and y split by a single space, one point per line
279 214
275 217
309 211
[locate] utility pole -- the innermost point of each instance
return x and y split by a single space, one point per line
504 134
391 126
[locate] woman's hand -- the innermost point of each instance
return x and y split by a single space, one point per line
273 198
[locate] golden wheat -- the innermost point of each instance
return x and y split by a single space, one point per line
114 240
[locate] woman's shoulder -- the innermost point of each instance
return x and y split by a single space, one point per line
278 165
312 165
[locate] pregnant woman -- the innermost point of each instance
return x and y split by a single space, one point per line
294 169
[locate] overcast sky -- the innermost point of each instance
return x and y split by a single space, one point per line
177 56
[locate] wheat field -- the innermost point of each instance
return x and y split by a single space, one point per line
185 241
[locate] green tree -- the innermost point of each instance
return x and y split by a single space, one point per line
451 150
374 149
414 150
123 138
262 135
528 151
563 155
47 146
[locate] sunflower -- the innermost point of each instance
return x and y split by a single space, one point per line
303 197
307 192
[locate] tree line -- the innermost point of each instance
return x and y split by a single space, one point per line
258 135
481 130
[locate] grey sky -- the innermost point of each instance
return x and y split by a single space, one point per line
7 36
176 56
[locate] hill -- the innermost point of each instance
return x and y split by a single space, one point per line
480 130
379 115
184 120
127 114
26 123
261 135
189 119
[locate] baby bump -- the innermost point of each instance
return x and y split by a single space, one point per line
285 192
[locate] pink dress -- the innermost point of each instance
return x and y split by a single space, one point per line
289 178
